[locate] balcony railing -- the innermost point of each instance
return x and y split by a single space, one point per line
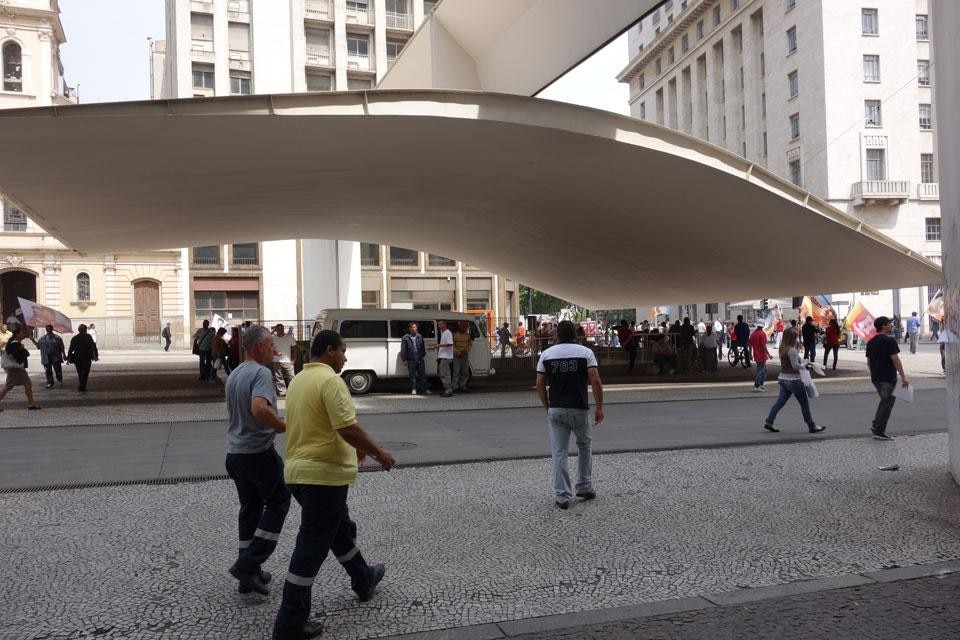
319 57
890 192
198 6
369 262
360 16
238 9
319 10
242 260
206 260
359 62
202 50
928 191
399 20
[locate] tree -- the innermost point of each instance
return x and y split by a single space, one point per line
538 302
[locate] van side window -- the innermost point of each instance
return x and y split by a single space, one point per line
363 329
426 328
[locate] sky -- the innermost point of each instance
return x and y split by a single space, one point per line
108 61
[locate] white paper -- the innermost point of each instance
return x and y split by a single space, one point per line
905 393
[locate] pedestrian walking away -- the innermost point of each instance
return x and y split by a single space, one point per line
913 331
709 343
14 360
758 345
629 343
325 443
809 333
719 331
831 342
413 352
82 354
947 336
503 335
252 462
790 384
52 356
742 331
285 353
203 347
167 336
883 356
444 349
563 373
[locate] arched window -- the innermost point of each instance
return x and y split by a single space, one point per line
83 287
12 67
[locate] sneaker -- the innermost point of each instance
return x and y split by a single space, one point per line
374 576
562 504
769 427
818 428
882 436
757 389
414 392
49 386
763 388
587 495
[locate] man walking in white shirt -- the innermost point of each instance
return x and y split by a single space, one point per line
284 354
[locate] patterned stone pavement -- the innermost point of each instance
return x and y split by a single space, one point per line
479 543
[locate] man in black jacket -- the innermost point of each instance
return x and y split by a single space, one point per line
413 352
83 352
808 333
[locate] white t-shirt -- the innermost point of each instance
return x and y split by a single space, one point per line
446 338
283 344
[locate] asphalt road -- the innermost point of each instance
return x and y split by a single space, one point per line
57 456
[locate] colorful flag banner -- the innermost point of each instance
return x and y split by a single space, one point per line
37 316
935 308
819 308
860 321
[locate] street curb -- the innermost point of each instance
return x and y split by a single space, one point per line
514 628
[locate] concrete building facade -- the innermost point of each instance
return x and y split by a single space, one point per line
127 295
240 47
835 96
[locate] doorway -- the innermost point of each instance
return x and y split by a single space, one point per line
146 310
16 284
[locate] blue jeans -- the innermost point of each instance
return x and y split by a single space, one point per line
418 375
562 422
761 375
796 389
887 400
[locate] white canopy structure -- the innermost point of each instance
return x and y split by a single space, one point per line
601 209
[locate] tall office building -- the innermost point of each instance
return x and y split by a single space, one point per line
834 96
239 47
128 295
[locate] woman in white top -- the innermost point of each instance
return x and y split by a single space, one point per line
790 384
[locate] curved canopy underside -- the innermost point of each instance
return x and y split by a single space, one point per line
600 209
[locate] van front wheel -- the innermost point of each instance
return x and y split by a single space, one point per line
359 382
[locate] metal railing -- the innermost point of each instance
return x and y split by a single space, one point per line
360 16
245 261
205 260
318 10
399 20
318 56
357 61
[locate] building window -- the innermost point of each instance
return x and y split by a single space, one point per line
795 176
743 120
795 126
716 15
369 255
239 83
700 30
763 66
791 40
871 68
763 104
371 299
764 144
318 47
734 4
926 121
659 67
872 113
206 255
429 6
933 229
83 287
404 257
245 253
203 77
642 81
684 43
670 56
394 47
643 110
14 220
439 261
359 84
12 67
870 22
923 73
791 4
876 165
793 82
358 51
923 32
926 168
235 306
319 82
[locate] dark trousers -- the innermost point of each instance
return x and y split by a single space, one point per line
826 353
943 357
166 347
325 525
662 361
631 357
887 400
418 375
810 351
206 365
50 369
83 372
264 502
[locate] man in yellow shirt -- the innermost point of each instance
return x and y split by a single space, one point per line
324 446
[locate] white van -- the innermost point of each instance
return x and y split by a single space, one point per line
373 341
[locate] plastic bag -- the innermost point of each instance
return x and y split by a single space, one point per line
808 384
